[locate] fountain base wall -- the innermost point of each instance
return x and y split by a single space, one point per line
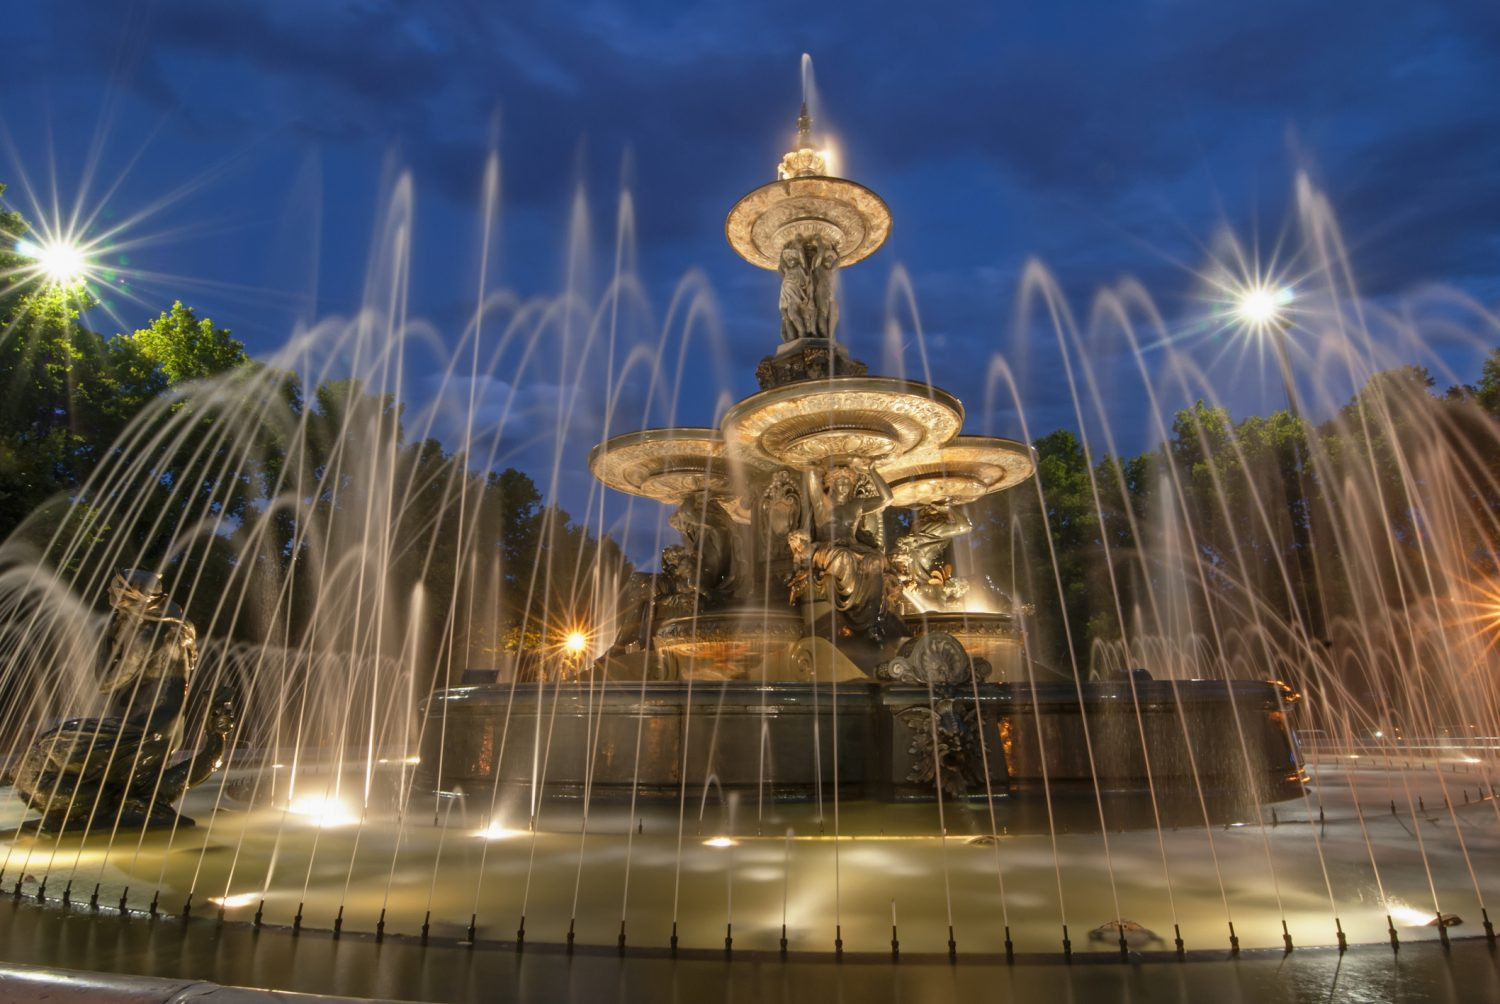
797 741
1224 737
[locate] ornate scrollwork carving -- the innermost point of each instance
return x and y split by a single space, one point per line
945 741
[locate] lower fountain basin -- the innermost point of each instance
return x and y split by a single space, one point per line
728 644
795 741
994 637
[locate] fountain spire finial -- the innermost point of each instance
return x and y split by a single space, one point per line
803 160
805 206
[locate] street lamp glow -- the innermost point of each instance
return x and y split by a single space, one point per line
60 262
576 642
1261 306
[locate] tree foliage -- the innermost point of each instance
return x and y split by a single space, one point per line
188 348
280 512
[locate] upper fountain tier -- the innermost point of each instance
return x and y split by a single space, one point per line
817 406
805 204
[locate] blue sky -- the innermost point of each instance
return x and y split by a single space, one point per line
1104 139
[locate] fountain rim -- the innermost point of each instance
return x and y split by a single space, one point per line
656 435
751 206
948 460
896 386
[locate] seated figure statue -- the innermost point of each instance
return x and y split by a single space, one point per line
920 556
845 565
129 767
713 547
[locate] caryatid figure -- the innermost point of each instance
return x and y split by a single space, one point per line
824 258
796 294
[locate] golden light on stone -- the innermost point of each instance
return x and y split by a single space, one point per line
802 425
963 470
802 163
726 644
843 213
667 465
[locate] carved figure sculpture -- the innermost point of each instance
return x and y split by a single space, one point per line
945 743
677 594
779 511
824 258
796 300
714 545
919 555
634 611
844 564
127 767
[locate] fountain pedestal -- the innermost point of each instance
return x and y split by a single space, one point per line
807 359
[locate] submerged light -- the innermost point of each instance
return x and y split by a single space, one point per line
496 831
721 842
1407 915
323 810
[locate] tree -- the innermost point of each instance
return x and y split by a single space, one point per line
187 348
65 393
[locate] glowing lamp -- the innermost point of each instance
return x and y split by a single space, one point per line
1261 306
60 262
576 643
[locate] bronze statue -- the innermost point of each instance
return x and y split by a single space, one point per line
809 308
845 564
919 555
128 767
824 262
796 299
714 546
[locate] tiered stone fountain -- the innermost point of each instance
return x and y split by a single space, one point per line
795 639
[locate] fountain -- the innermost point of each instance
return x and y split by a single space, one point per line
817 635
812 709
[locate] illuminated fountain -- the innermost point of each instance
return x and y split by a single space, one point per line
817 636
813 710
